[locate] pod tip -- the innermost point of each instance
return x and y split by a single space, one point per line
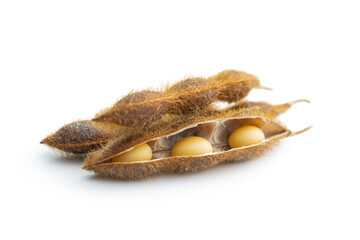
298 101
301 131
265 88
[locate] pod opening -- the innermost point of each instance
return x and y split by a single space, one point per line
217 132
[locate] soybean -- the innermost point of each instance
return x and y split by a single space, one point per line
139 153
245 136
192 146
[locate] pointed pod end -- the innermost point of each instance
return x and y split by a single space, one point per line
265 88
298 101
48 140
301 131
87 167
44 141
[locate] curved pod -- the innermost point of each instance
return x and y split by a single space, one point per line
216 129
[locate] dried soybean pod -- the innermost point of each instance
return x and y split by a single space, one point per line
196 93
183 97
271 109
162 136
81 137
145 107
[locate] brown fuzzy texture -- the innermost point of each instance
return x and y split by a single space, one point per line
235 85
98 162
186 96
274 110
82 137
133 109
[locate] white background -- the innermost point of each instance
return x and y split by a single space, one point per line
62 61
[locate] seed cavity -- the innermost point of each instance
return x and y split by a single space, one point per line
204 138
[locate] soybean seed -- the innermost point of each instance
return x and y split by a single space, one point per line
245 136
192 146
140 153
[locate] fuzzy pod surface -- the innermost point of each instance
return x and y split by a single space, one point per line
186 96
81 137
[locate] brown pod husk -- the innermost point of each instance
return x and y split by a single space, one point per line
82 137
188 95
274 110
135 108
231 89
216 126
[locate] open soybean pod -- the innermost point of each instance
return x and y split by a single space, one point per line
161 137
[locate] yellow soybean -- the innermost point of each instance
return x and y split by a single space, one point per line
140 153
245 136
192 146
